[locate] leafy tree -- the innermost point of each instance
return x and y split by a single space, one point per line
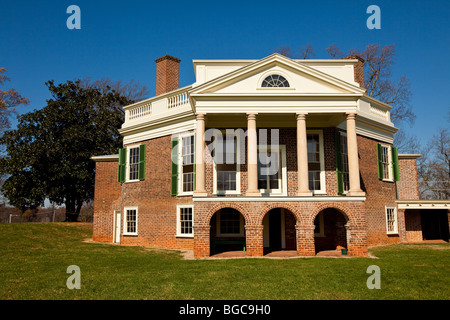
48 155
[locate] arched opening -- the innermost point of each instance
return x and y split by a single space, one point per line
227 231
330 233
279 230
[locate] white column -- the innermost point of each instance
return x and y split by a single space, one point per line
353 161
252 151
302 157
200 189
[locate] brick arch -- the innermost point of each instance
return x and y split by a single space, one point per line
232 205
270 206
348 215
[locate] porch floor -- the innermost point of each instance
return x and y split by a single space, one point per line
276 254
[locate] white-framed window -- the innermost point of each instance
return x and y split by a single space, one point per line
132 167
229 223
391 220
185 220
344 154
275 81
318 225
130 221
226 156
386 162
316 163
272 172
186 168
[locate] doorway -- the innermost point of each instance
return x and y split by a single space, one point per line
117 226
435 225
279 230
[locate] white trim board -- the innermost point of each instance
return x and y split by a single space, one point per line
278 199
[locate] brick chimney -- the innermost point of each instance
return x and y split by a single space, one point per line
358 70
167 74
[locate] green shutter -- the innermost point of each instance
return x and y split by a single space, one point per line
379 161
142 162
395 168
174 179
339 173
122 165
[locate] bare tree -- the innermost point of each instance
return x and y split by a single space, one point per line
434 167
304 52
132 90
381 86
9 100
334 52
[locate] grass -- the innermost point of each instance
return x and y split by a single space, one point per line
34 259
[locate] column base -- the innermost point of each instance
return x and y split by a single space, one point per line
356 193
200 194
304 194
253 193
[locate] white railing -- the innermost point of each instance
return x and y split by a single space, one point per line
382 113
140 111
178 100
163 105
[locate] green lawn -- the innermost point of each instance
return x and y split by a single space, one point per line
34 259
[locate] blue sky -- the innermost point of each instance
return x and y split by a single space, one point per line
121 40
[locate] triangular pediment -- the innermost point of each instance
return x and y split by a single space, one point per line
302 79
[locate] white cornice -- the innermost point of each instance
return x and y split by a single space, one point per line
106 158
278 199
423 204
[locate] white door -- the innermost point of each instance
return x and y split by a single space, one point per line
117 226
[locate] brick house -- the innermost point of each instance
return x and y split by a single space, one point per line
262 155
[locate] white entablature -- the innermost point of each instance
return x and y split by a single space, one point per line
235 87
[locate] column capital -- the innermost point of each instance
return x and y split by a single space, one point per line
351 115
200 116
251 115
301 115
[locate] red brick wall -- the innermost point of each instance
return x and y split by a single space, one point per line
379 194
365 221
157 209
408 186
167 74
358 70
106 200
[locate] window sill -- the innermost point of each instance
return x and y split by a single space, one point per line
387 180
132 181
185 236
130 234
225 193
185 194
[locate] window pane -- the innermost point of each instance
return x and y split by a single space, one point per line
133 161
230 221
186 220
131 221
226 180
188 163
344 154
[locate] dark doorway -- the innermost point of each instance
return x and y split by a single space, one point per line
434 225
275 229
